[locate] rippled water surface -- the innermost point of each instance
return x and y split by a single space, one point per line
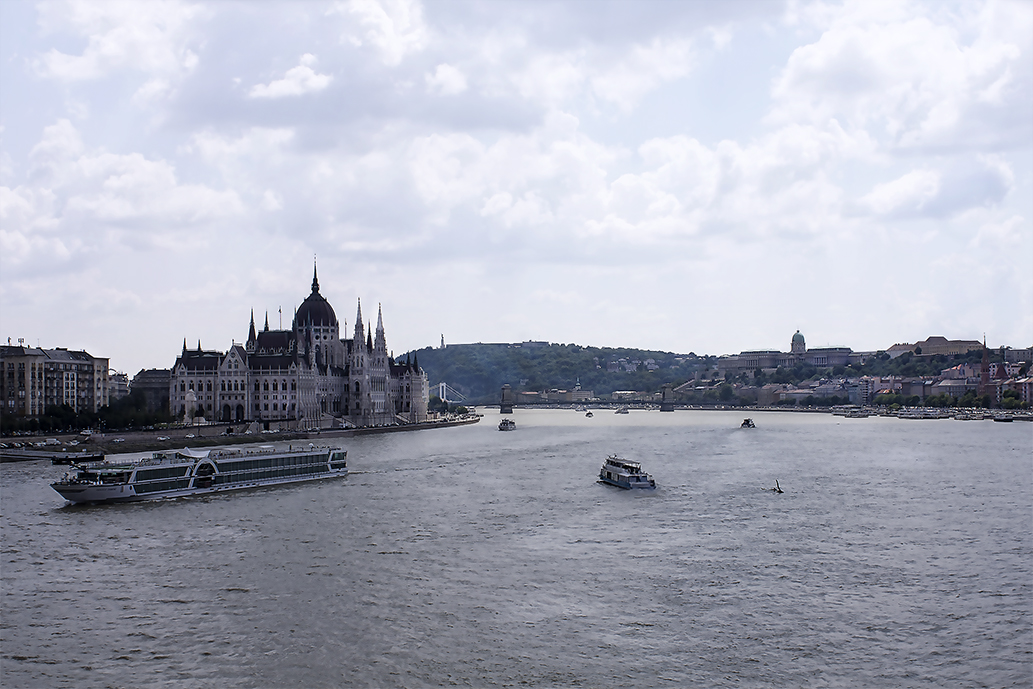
898 556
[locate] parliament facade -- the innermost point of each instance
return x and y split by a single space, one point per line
304 377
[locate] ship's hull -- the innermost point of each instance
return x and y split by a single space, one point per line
127 493
628 484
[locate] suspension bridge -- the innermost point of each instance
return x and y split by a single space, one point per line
449 394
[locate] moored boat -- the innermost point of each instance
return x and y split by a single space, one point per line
623 473
177 473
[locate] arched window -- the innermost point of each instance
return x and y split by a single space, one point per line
274 385
222 386
265 385
257 387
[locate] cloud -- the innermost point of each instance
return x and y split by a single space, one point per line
394 27
909 75
298 81
910 192
446 81
151 37
642 69
79 200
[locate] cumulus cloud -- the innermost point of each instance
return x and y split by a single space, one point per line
151 37
903 74
910 192
395 28
446 80
77 197
298 81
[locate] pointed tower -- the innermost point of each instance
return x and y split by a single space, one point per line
380 344
266 328
251 336
358 338
315 280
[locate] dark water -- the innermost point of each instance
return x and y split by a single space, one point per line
898 556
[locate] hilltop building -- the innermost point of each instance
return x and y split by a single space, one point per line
770 360
931 346
302 377
33 379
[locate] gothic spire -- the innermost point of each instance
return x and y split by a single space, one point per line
381 342
251 333
358 325
266 328
315 280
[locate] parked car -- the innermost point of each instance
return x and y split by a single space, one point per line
119 440
163 438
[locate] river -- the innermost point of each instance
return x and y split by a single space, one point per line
899 555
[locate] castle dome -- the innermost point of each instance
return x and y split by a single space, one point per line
798 346
315 309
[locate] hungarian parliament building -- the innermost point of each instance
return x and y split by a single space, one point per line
305 377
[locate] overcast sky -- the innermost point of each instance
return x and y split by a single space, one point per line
683 176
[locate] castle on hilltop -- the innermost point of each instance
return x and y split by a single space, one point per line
769 359
307 376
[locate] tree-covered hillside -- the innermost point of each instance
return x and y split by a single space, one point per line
480 370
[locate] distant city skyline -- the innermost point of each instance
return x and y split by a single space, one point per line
687 177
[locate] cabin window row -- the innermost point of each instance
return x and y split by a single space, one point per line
155 486
262 474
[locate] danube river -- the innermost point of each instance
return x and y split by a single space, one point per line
899 555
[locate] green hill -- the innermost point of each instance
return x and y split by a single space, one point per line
480 370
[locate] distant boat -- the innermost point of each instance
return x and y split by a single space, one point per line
622 473
748 423
589 414
621 410
507 425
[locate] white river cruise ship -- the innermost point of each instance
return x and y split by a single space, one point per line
176 473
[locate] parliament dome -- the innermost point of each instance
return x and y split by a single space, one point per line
315 309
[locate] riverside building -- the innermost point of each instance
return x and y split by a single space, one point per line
307 376
33 379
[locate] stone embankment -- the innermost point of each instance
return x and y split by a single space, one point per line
192 437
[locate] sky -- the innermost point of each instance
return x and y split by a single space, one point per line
702 177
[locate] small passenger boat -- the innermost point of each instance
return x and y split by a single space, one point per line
176 473
507 425
748 423
589 414
622 473
621 410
